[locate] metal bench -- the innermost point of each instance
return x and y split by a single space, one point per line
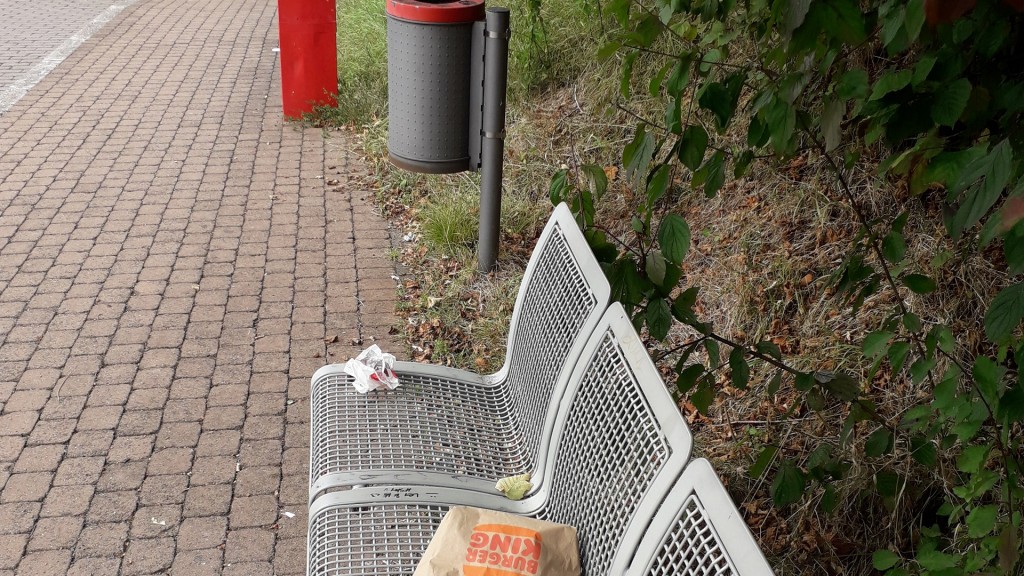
447 427
618 473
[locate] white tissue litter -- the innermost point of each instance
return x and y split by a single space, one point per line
372 370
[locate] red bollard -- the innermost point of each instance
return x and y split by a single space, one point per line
309 55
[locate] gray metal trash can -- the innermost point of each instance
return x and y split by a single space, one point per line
429 57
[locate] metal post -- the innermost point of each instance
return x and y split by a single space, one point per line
493 134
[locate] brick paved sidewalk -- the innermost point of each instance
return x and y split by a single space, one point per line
173 264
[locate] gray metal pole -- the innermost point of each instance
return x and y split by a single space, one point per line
492 149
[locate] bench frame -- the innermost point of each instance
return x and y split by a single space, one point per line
561 236
676 518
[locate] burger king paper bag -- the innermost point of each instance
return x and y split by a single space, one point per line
479 542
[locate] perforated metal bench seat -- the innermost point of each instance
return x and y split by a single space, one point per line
617 458
618 445
449 427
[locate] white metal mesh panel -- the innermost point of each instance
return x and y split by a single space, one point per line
428 423
555 305
692 547
611 450
380 540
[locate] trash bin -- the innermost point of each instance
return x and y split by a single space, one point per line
429 63
309 55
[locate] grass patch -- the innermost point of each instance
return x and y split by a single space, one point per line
450 222
362 62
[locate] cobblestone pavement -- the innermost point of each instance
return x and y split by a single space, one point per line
175 262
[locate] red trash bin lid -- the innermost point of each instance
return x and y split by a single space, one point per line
457 12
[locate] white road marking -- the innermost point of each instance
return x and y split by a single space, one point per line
21 86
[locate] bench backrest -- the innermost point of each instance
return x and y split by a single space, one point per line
698 531
620 443
562 296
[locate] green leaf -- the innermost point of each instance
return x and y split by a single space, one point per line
720 99
891 25
619 9
878 443
944 338
888 483
659 184
679 78
996 168
914 19
655 267
920 369
742 163
687 379
604 250
898 354
987 375
891 81
626 283
853 84
636 156
607 51
763 460
769 348
876 344
703 396
1011 405
839 384
627 74
673 116
1013 244
982 520
978 485
740 369
682 306
884 559
714 354
559 188
795 12
912 322
922 69
945 391
775 383
894 248
692 146
919 283
659 318
973 458
829 499
711 174
950 101
815 400
831 121
1005 313
597 179
674 238
843 19
757 133
804 381
934 560
781 120
788 485
923 452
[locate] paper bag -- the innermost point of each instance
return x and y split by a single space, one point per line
479 542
